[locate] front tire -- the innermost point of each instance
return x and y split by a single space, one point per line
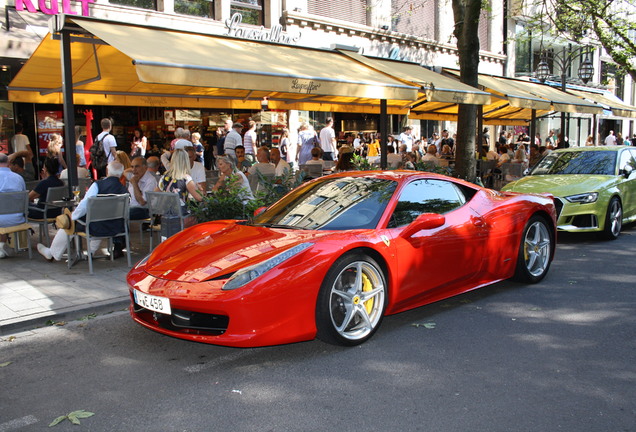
352 301
535 251
613 220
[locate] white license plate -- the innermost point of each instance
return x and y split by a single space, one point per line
153 303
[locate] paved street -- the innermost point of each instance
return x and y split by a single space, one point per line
557 356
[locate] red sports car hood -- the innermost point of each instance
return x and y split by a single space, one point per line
219 248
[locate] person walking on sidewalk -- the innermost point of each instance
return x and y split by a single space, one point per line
108 185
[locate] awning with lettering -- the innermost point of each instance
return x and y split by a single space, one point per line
119 64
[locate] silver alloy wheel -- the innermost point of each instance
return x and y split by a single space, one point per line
615 217
356 300
537 248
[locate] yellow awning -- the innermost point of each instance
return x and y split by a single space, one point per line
118 64
436 87
618 107
561 101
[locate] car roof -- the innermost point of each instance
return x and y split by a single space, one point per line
400 176
591 148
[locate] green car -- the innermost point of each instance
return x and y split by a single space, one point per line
594 187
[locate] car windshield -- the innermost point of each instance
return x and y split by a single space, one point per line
339 203
577 162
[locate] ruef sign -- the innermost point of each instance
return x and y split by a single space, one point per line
53 7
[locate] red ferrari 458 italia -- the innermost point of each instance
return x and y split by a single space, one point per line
337 254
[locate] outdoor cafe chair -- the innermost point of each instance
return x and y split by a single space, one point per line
163 205
16 203
99 209
54 194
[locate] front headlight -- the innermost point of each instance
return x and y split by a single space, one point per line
248 274
585 198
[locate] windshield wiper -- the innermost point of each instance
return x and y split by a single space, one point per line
273 225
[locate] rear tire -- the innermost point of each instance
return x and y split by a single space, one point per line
352 301
613 220
535 251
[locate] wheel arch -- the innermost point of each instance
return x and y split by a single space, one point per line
377 256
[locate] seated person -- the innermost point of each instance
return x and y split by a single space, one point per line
242 164
22 163
49 174
140 181
410 161
81 171
9 182
393 160
262 165
316 154
431 155
108 185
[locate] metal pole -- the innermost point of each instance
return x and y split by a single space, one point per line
563 77
69 110
384 133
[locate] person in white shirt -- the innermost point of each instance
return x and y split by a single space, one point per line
328 140
263 165
107 139
282 167
406 138
610 139
19 142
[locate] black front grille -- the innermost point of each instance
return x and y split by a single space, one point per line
185 321
558 204
585 221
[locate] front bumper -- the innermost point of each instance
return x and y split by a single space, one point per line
576 217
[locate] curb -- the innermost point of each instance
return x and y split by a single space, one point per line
41 319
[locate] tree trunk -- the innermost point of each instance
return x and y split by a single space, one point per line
466 31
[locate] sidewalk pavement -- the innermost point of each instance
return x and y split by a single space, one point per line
35 293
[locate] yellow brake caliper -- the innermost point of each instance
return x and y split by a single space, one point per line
366 287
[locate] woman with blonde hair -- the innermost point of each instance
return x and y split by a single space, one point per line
54 151
590 141
177 179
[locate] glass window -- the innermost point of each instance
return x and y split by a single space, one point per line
627 158
250 10
426 196
577 162
201 8
332 204
144 4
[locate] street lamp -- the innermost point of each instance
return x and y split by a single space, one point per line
564 61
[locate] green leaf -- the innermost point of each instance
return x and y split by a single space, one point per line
58 421
73 419
5 364
82 414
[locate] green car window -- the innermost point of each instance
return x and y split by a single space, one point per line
577 162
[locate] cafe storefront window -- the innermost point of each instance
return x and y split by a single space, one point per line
250 10
200 8
143 4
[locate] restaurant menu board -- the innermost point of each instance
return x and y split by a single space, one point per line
49 122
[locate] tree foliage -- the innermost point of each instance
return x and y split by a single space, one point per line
610 22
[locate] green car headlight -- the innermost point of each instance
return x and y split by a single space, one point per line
248 274
585 198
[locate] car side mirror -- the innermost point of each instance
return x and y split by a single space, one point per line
259 210
425 221
627 171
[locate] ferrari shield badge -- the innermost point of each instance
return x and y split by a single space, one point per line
386 240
